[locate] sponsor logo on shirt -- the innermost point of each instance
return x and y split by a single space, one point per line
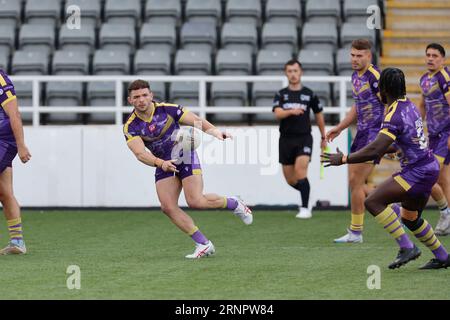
1 91
305 97
286 97
295 106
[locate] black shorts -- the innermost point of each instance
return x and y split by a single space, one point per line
290 148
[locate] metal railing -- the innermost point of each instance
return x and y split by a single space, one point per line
202 109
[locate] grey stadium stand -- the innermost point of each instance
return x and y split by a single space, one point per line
285 11
320 36
192 62
268 62
123 12
356 11
233 62
201 10
199 35
67 93
184 93
239 36
3 62
103 93
153 62
158 36
279 36
117 37
248 11
328 11
316 60
224 94
10 11
7 40
90 10
343 62
163 11
353 30
28 63
77 39
43 12
37 38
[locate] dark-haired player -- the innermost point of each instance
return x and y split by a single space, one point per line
292 106
11 143
434 105
368 112
412 185
154 126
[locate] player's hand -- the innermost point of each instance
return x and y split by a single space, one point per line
332 159
168 166
24 154
332 134
221 135
297 112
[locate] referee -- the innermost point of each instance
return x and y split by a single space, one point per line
292 107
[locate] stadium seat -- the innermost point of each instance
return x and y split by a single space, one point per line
103 93
327 11
224 94
343 61
353 30
316 60
153 62
123 12
200 36
192 62
284 11
91 10
233 62
248 11
7 40
200 10
77 39
279 36
70 62
4 62
317 35
239 36
356 11
271 62
158 36
29 63
184 93
10 11
37 38
43 12
163 11
117 37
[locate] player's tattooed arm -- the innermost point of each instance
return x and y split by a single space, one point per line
137 146
191 119
373 151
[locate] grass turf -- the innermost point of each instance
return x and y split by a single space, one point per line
140 255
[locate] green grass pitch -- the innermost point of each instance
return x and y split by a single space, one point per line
140 255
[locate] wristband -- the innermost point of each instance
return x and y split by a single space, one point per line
323 138
158 162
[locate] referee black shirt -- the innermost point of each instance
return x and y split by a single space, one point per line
302 99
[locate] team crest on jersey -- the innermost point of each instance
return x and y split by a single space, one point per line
1 91
152 127
307 150
286 97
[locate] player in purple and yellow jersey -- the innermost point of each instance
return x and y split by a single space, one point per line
435 107
154 126
412 185
368 112
11 143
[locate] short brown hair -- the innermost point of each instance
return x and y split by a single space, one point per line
361 44
138 84
292 62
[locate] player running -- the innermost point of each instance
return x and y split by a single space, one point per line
11 143
154 126
412 185
434 104
368 112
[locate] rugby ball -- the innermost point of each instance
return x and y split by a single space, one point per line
188 138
